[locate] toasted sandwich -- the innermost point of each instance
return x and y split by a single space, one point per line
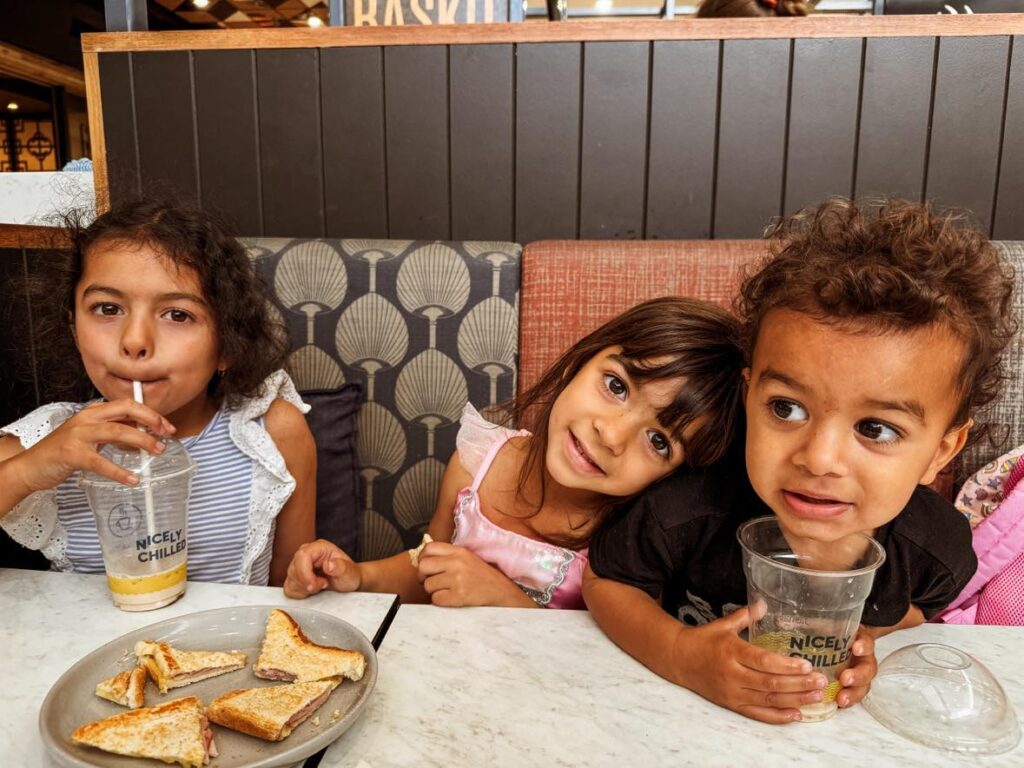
172 668
270 713
175 732
125 688
287 654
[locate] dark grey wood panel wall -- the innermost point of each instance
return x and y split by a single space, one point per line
666 139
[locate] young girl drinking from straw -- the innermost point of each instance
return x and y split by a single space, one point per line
653 388
158 293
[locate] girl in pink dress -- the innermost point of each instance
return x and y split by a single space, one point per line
654 388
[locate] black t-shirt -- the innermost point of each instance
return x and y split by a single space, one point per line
677 542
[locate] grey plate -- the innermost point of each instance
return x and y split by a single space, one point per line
72 702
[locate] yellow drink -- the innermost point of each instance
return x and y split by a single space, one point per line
144 593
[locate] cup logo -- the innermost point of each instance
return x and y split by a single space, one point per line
124 520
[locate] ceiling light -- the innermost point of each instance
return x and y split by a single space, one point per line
12 106
603 6
314 21
201 3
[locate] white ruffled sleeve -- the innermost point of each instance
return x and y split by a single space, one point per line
272 484
33 522
477 435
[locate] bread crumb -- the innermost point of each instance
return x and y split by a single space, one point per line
335 716
315 721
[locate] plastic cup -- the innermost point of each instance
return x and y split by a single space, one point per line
812 600
143 529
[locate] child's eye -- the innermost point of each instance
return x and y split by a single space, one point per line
105 309
787 410
660 443
177 315
878 432
615 385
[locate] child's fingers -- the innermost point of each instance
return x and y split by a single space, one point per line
771 715
116 432
770 662
850 696
438 549
129 410
93 462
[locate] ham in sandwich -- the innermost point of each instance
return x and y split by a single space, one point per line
287 654
173 668
175 732
270 713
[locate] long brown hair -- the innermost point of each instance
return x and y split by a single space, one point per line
709 9
665 338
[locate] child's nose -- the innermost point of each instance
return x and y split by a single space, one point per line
137 340
613 432
822 453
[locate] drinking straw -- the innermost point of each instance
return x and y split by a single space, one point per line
147 486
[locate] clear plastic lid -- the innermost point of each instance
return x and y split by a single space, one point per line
152 468
941 697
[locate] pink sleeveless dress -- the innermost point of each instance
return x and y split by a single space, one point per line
551 575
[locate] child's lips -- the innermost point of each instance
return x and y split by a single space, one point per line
814 506
579 457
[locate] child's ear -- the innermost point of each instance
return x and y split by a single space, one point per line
746 381
951 444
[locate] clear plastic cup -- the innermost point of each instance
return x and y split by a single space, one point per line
143 529
812 600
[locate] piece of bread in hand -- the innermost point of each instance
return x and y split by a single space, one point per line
414 554
125 688
175 732
287 654
273 712
173 668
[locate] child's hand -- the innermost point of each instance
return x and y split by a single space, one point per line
75 444
735 674
318 565
454 576
857 677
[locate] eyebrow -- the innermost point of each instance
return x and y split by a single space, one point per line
177 296
911 407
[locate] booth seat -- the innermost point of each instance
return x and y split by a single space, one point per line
416 329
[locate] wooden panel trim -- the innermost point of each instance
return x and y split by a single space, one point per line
97 140
572 31
39 69
31 236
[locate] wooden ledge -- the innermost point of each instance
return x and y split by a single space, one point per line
824 26
33 237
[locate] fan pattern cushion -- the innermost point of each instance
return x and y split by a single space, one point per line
423 327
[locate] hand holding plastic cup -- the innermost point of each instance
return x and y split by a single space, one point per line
143 529
812 600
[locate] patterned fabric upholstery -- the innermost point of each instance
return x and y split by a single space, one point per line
571 287
1007 412
424 327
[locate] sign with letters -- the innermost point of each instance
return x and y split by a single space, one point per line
405 12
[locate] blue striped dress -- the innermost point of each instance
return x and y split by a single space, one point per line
218 513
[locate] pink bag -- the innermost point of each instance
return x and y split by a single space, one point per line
995 595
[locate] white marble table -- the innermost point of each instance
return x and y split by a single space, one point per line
515 687
48 621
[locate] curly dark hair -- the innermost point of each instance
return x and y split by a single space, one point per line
665 338
250 339
891 265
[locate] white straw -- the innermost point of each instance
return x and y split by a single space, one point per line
144 462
